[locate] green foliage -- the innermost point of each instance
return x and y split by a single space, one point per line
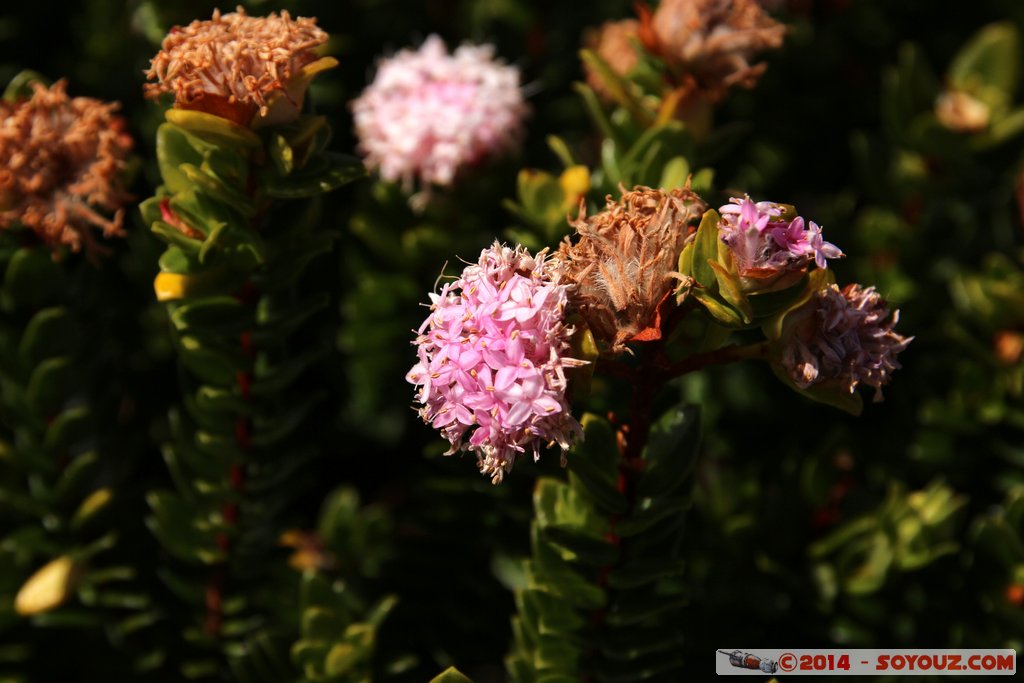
829 530
246 334
604 582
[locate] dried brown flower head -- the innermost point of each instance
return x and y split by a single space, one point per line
63 161
714 41
239 67
612 42
624 261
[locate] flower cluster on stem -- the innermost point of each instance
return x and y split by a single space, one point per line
429 114
493 358
238 67
767 244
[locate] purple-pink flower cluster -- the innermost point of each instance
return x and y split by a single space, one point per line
764 243
428 114
846 337
492 359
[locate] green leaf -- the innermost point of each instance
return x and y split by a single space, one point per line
561 150
705 249
221 313
49 386
451 675
585 549
33 279
721 312
670 452
991 59
77 476
210 365
596 111
595 462
621 90
20 87
675 173
730 288
833 395
324 173
175 237
281 154
212 129
638 610
50 332
71 426
650 512
172 150
635 573
174 524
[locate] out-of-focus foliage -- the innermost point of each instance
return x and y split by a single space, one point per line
897 126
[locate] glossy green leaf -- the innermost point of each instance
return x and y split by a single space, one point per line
49 386
50 332
990 60
32 278
172 150
69 427
671 451
705 249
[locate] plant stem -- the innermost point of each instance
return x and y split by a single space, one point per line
728 354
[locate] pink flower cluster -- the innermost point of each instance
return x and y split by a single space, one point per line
429 114
847 337
765 243
491 370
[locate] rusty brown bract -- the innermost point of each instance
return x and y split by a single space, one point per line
64 159
624 262
231 64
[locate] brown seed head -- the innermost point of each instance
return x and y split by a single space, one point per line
613 42
63 161
714 41
231 64
624 261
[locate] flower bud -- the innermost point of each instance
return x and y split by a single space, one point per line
842 338
962 113
772 249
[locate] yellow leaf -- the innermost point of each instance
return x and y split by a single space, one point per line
47 588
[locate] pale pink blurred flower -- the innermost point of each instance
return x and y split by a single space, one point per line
429 114
844 337
768 247
491 370
64 161
251 70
